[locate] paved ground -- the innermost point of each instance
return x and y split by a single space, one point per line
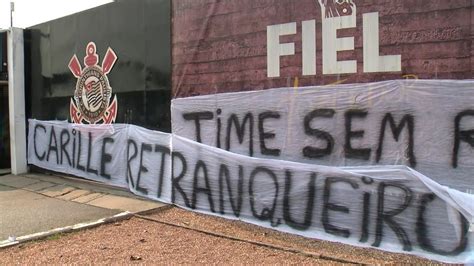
24 213
176 236
37 203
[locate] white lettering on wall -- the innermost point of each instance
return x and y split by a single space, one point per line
275 49
373 62
309 47
334 18
332 44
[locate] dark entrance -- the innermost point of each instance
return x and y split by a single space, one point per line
4 121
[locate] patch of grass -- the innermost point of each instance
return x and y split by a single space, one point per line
55 236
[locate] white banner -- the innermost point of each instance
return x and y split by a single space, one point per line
121 155
427 125
392 208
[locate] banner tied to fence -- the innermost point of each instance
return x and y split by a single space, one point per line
392 208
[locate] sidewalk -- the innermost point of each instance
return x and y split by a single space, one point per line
35 204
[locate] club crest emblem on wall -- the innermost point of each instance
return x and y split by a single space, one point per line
337 8
92 102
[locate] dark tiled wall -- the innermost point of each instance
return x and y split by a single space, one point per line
139 32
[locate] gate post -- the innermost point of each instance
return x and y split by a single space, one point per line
16 101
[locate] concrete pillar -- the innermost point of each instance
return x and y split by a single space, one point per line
16 101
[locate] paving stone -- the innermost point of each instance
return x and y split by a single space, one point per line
40 186
16 181
74 194
81 184
88 197
124 204
56 191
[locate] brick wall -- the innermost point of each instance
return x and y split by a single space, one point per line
220 45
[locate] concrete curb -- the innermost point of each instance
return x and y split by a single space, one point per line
72 228
155 210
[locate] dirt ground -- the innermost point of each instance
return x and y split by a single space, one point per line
182 237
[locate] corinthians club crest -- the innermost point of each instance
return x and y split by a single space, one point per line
92 98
